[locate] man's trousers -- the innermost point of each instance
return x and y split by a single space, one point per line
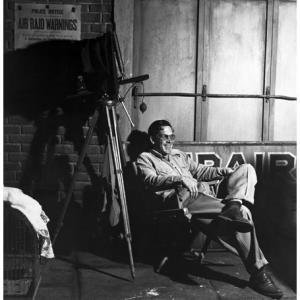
240 186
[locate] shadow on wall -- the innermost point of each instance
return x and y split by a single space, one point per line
47 176
43 83
275 216
138 142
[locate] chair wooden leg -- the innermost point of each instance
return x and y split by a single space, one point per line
204 248
161 264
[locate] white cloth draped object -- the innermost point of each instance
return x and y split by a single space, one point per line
35 215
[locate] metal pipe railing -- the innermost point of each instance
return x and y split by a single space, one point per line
136 94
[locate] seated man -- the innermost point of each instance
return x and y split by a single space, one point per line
165 170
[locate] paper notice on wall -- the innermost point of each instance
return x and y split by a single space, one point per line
39 22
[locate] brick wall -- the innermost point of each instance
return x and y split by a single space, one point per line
95 18
43 158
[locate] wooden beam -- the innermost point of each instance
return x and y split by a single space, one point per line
203 67
272 78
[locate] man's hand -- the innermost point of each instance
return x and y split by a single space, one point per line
191 185
229 171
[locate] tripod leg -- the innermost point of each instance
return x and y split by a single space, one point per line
122 191
93 123
118 169
119 162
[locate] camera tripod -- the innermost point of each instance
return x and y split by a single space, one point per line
110 110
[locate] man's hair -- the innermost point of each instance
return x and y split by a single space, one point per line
156 126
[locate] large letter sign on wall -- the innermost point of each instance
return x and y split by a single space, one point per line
282 163
236 159
38 22
259 158
266 163
209 159
269 159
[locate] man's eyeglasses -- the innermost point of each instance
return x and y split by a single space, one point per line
167 137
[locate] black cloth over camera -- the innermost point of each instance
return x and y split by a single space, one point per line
44 76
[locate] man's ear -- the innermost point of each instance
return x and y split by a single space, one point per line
151 140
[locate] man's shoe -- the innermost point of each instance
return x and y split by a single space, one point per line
263 283
232 218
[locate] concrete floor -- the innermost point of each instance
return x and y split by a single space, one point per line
86 276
